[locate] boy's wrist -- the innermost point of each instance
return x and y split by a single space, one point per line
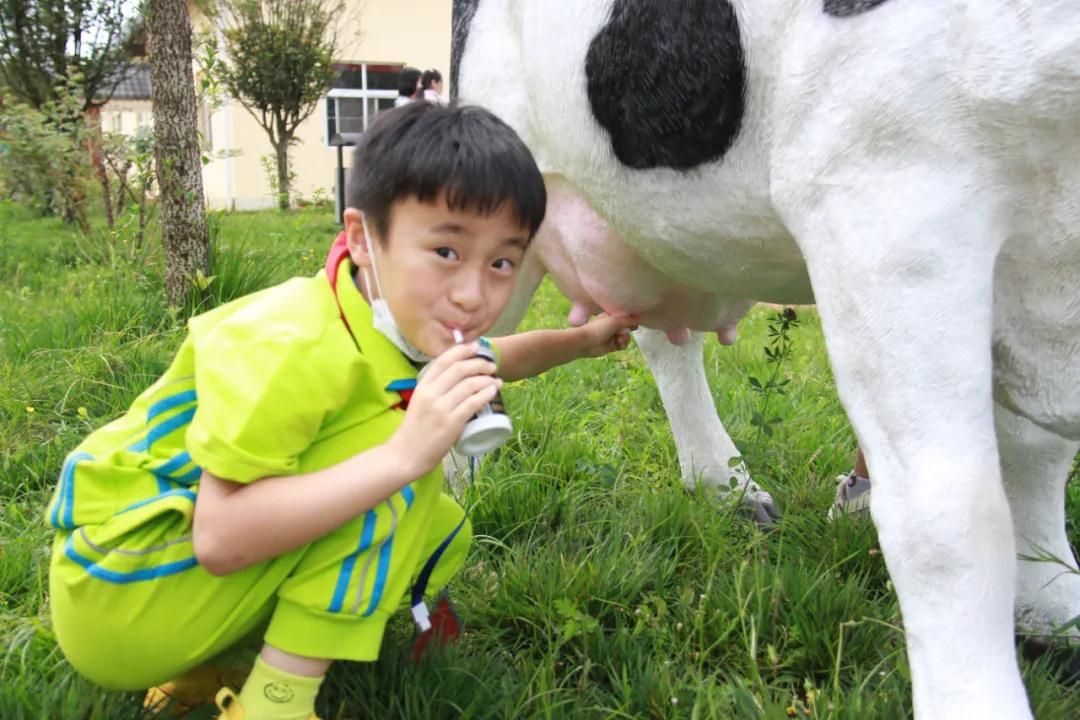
404 460
581 341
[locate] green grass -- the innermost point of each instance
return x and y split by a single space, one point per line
597 587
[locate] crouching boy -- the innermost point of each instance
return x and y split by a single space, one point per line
282 479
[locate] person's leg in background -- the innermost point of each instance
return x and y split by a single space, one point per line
852 491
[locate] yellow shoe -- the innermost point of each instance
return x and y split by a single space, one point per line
229 705
197 686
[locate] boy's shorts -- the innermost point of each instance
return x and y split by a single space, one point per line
131 608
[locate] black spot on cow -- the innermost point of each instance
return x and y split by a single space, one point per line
848 8
460 20
667 80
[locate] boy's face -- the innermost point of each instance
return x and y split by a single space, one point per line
441 269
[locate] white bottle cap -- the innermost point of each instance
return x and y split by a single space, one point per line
484 433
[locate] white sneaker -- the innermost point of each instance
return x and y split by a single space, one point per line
852 496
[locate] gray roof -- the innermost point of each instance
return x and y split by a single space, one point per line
135 84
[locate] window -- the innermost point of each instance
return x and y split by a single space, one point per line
357 93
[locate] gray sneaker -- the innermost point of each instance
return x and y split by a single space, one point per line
852 496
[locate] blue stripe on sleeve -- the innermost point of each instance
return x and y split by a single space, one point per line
65 500
54 518
173 464
190 477
163 429
168 471
169 403
168 493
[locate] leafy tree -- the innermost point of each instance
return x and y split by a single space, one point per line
44 162
46 44
58 59
128 178
178 160
278 62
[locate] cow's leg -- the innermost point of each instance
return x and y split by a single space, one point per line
530 275
457 467
704 447
1035 465
909 343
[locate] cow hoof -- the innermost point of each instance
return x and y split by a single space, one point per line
1062 653
852 496
757 505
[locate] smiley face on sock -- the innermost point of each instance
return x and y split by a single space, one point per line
278 692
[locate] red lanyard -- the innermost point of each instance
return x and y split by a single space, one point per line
338 252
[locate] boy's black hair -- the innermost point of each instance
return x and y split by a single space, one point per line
429 77
407 79
422 149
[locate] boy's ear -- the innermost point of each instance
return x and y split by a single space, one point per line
356 239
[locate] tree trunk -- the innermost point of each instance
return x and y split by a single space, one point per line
103 177
284 189
176 149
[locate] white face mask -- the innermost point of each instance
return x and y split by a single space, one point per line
382 318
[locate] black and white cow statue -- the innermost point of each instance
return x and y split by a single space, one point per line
913 167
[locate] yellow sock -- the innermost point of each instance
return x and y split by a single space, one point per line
273 694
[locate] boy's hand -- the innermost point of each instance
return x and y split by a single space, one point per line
604 334
454 388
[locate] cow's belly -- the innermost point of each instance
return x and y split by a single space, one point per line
708 231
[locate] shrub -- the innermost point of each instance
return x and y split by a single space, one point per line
45 162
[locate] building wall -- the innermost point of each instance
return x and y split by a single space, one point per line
126 116
412 32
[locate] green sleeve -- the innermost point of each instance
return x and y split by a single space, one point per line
264 392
